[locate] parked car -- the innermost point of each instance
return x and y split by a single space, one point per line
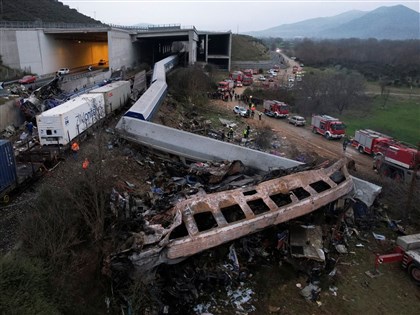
62 71
272 72
239 84
297 120
241 111
261 78
27 79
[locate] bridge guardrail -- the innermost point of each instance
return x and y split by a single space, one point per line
41 24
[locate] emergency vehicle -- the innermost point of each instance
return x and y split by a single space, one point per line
365 140
397 161
329 127
398 153
276 109
248 72
225 86
407 252
237 76
392 158
247 81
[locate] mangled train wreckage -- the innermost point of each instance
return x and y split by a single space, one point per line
232 214
204 221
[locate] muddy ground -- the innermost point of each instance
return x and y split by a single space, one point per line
271 284
352 291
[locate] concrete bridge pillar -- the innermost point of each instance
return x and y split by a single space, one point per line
192 46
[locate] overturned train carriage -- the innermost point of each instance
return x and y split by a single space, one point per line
205 221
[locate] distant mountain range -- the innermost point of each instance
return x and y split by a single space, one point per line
395 22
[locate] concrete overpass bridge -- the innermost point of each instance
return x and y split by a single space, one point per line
42 48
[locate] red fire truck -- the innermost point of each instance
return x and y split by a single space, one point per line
275 109
398 153
248 72
225 86
247 78
392 158
237 76
407 252
365 140
329 127
247 81
397 161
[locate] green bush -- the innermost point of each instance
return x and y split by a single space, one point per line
25 287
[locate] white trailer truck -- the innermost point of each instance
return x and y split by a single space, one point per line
61 124
116 95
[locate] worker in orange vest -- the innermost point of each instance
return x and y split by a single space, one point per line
75 149
85 164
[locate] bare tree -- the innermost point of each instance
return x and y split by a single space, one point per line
189 84
345 89
385 97
328 90
50 230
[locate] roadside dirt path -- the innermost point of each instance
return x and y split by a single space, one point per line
303 138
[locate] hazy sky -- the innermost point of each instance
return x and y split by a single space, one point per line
222 15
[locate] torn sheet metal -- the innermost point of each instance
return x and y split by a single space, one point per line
216 172
365 191
209 220
306 242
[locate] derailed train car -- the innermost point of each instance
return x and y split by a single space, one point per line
150 101
14 174
60 125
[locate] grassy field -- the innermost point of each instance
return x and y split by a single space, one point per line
400 118
374 87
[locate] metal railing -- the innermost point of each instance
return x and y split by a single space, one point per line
41 24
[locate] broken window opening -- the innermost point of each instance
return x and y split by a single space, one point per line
281 199
233 213
338 177
301 193
249 193
179 232
258 206
205 221
320 186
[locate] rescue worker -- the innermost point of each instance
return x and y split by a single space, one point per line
85 164
30 128
75 149
246 132
230 133
345 143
